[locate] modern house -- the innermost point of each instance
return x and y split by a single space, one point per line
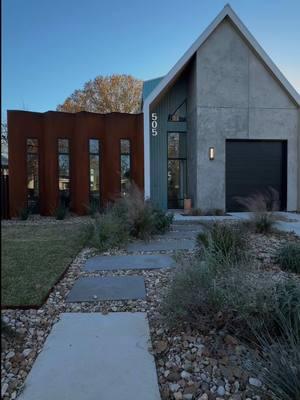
223 123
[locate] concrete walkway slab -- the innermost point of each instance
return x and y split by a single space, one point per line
180 234
139 262
89 356
292 223
179 218
187 227
162 245
96 288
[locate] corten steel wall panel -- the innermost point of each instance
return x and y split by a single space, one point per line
78 128
56 126
22 125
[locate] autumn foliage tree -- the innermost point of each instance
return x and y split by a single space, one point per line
104 94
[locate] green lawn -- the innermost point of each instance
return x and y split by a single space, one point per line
33 257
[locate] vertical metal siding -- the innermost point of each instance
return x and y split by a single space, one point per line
158 144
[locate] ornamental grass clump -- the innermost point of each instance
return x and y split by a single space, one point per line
262 207
288 257
223 244
279 356
142 218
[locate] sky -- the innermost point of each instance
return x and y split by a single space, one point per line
52 47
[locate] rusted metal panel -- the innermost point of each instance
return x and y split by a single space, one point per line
78 128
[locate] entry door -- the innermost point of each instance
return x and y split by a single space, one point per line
177 170
252 167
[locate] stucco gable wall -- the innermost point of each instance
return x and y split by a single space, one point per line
238 97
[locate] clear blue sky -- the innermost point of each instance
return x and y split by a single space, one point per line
51 47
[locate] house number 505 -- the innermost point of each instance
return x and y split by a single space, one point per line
154 124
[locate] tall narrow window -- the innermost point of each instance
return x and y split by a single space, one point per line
177 174
64 171
179 115
94 153
33 174
125 165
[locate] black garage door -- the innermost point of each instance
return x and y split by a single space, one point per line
254 167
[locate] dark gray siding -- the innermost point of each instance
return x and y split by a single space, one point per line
158 144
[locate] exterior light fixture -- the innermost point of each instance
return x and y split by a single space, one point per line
211 153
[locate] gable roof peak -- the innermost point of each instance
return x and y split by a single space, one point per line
182 62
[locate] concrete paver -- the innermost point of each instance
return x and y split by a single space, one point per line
97 288
138 262
162 245
92 356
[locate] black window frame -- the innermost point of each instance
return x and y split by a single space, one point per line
67 201
36 208
120 161
174 159
99 153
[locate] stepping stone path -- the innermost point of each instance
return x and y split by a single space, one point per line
162 245
139 262
96 288
101 357
95 357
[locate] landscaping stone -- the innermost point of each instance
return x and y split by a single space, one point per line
92 289
162 245
140 262
93 357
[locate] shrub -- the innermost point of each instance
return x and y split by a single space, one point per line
238 296
61 212
24 213
279 360
288 257
109 232
162 220
189 298
223 244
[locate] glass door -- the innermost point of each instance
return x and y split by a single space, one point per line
177 170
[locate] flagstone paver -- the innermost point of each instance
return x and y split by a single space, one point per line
92 356
162 245
97 288
138 262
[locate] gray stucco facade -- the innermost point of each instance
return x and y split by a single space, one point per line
231 94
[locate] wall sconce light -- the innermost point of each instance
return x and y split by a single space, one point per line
211 153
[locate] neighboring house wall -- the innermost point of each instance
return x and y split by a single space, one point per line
238 98
78 128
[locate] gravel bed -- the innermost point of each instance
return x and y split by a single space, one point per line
190 365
